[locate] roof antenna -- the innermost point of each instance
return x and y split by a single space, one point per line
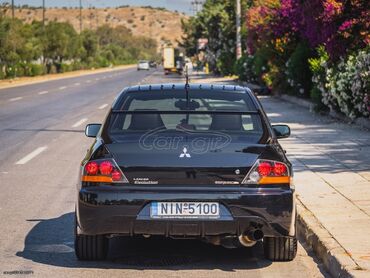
187 86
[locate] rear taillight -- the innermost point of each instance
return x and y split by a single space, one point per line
103 170
92 168
106 168
268 172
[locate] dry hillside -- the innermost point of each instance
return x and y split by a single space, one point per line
163 25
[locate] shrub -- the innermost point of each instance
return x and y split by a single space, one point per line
76 65
347 85
65 67
244 69
36 69
298 70
317 67
260 65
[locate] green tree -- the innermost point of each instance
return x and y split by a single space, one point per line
11 44
216 22
60 43
90 46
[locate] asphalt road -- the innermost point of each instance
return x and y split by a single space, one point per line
41 145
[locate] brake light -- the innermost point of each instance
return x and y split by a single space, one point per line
268 172
264 169
106 168
116 175
92 168
104 171
280 169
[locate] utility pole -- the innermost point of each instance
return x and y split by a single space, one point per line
80 16
97 17
238 29
12 9
43 13
91 16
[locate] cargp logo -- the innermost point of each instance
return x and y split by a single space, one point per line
196 142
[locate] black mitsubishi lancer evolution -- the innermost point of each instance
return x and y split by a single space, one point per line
187 161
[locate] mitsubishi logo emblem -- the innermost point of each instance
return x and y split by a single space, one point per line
185 153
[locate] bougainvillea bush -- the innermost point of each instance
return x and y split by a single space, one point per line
325 39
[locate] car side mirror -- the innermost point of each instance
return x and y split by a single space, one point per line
92 130
281 131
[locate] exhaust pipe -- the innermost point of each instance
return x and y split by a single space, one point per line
251 237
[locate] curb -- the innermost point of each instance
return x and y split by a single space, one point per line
301 102
334 257
360 122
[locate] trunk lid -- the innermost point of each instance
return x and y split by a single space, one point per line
189 161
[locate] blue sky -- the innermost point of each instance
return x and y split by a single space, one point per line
180 5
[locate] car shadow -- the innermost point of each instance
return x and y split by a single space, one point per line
50 242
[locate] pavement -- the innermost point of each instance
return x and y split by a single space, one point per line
332 177
41 145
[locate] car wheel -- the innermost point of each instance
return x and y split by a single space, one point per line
280 248
91 248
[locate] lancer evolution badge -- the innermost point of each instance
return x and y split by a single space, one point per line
185 153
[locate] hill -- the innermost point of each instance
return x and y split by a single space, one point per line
160 24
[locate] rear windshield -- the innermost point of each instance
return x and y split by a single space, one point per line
169 111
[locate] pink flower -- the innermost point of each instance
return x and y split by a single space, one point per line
346 25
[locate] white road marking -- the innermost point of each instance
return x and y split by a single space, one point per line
97 79
80 122
103 106
15 98
43 92
62 88
31 155
88 81
77 84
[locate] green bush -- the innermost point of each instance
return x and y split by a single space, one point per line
36 69
298 71
244 69
260 65
317 66
76 65
11 72
65 67
347 85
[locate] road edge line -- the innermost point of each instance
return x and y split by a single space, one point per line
333 256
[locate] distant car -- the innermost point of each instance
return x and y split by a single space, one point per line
187 161
143 65
152 64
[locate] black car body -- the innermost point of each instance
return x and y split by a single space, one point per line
187 161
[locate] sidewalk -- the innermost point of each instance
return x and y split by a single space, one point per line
332 177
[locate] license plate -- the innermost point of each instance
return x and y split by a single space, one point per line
184 210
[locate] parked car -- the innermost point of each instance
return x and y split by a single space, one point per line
152 64
143 65
187 161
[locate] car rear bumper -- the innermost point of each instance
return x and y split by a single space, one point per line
126 211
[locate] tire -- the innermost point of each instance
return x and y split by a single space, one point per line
91 248
280 248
